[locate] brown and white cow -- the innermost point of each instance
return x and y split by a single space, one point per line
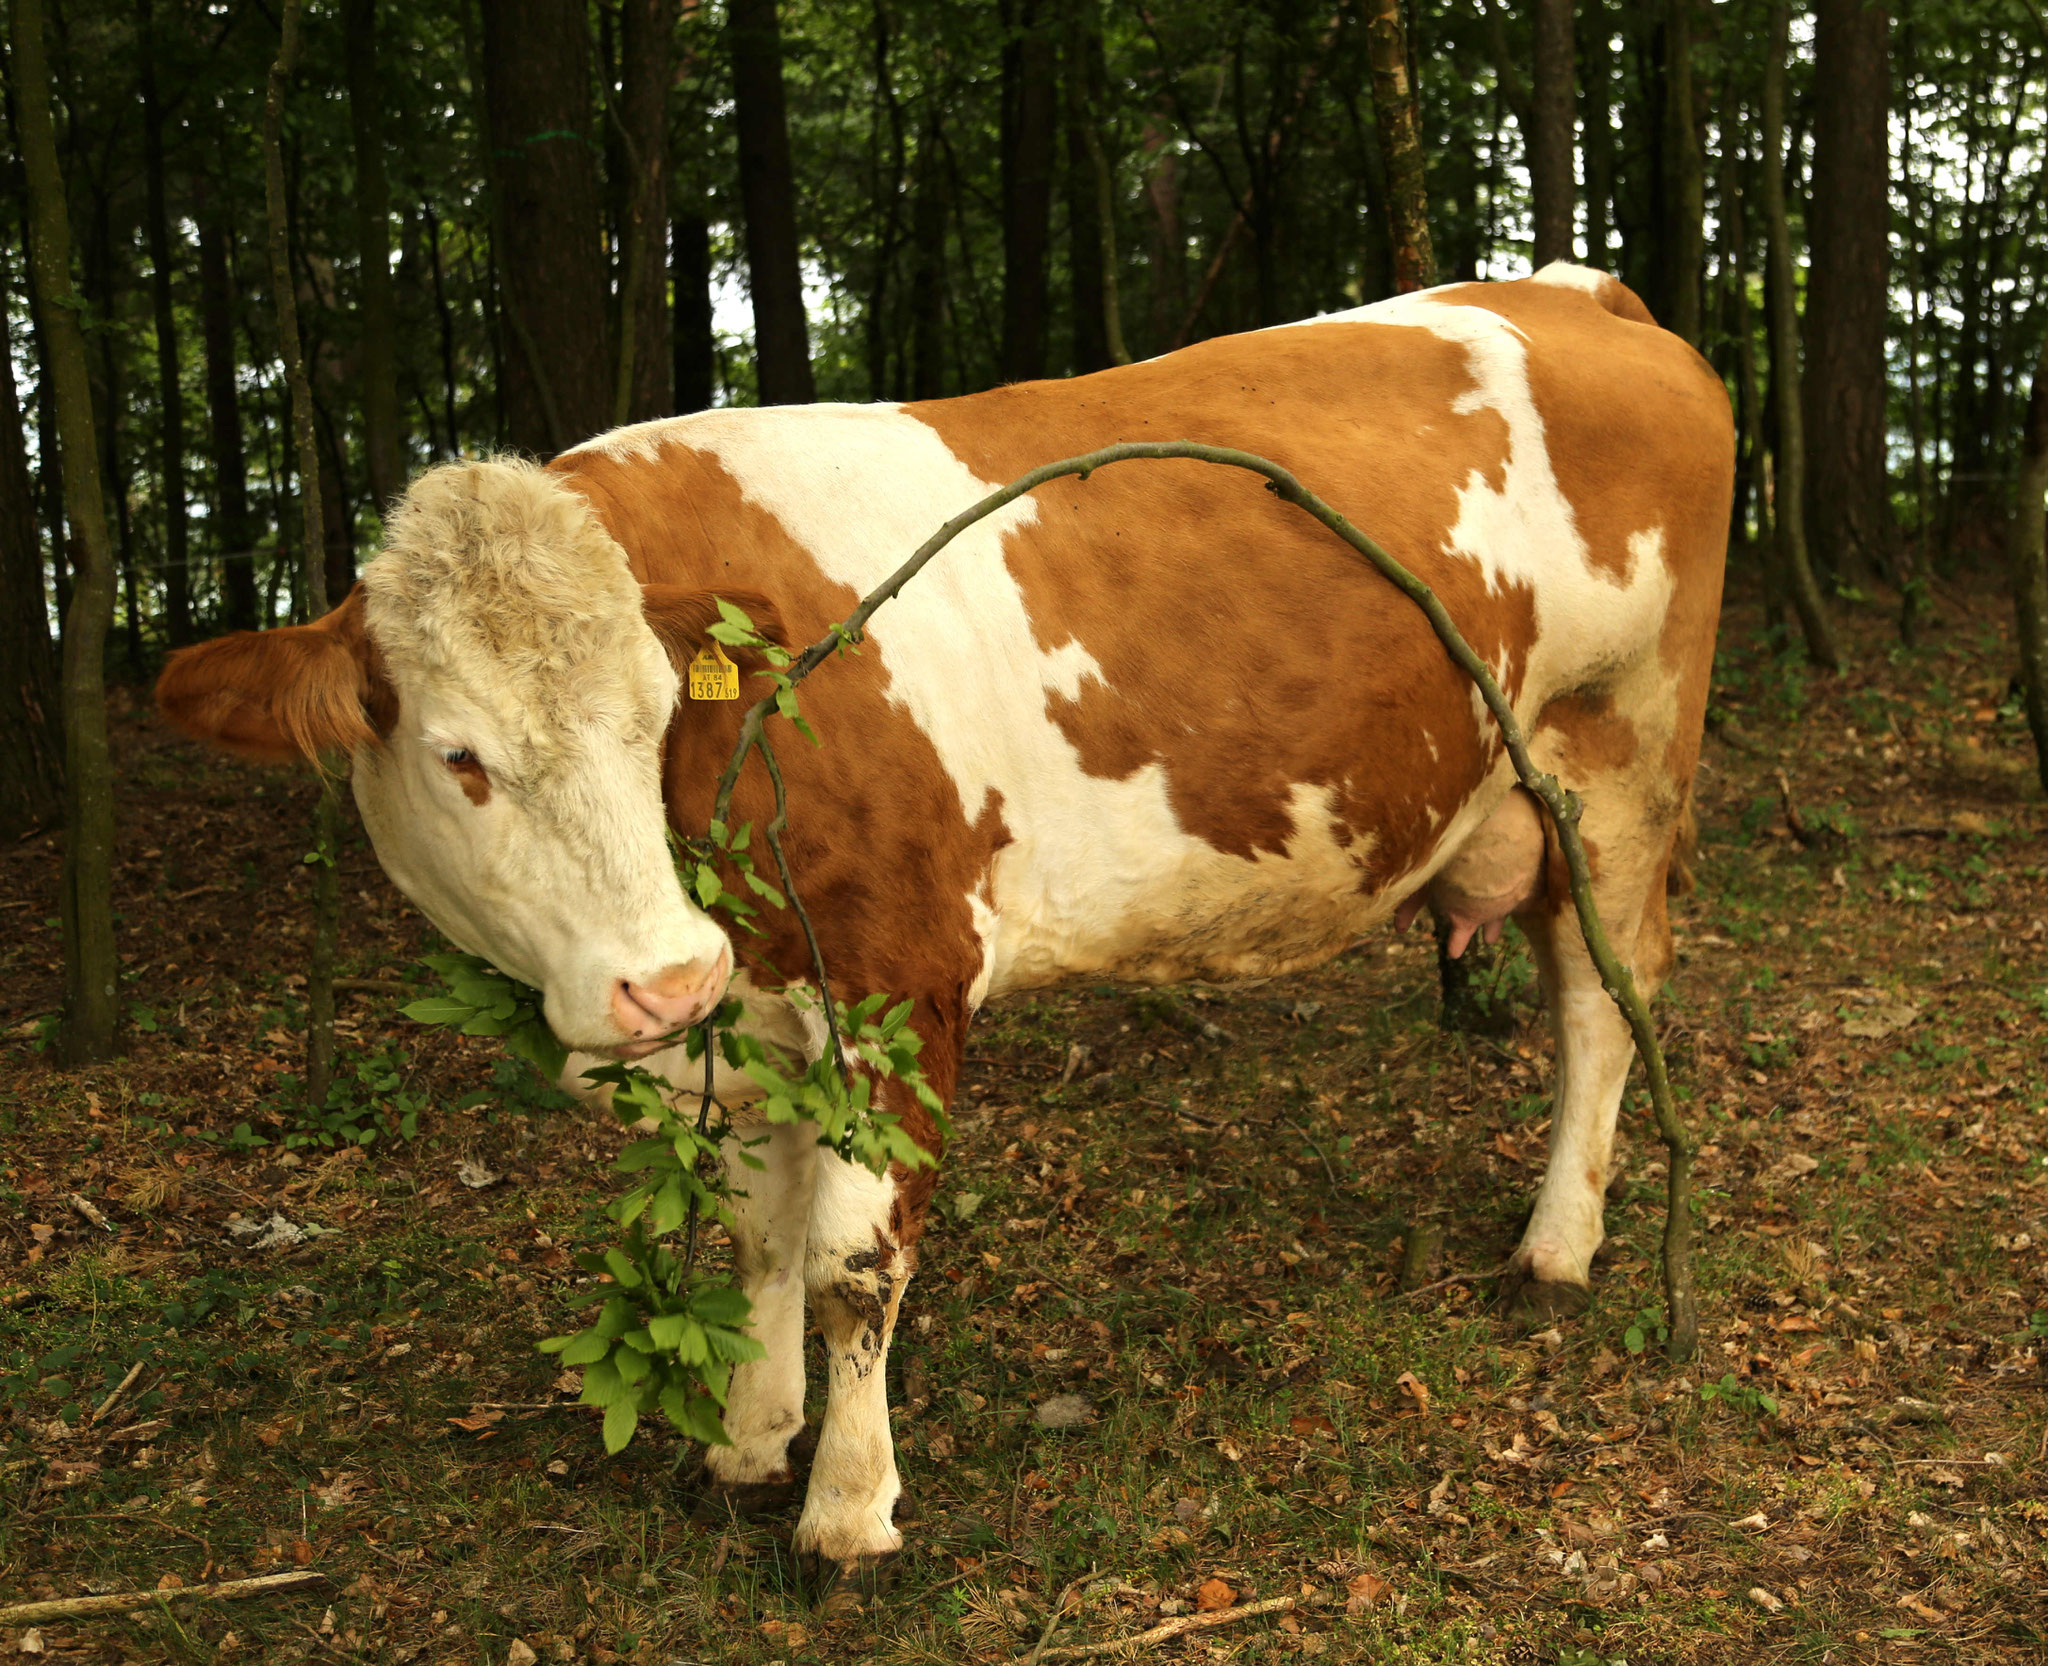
1155 725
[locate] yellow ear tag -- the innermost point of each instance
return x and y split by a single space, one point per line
713 676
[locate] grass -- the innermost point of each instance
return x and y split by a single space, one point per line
1198 1236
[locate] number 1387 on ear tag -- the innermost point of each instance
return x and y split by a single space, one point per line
713 676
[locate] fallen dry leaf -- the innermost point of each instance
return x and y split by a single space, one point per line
1213 1594
1362 1592
1414 1387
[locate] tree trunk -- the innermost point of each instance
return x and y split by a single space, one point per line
1168 243
233 533
782 340
1684 194
1789 505
31 726
1029 123
1550 137
696 346
91 1006
1085 270
547 215
1596 105
170 388
1400 130
1849 230
383 438
928 263
2028 558
643 386
313 567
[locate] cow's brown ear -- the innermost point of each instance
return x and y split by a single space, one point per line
275 695
682 619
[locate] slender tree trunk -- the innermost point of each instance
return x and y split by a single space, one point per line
928 262
1849 232
91 1008
1596 105
782 342
2028 558
1789 504
547 213
233 532
383 437
1400 129
437 272
643 386
170 387
313 567
1550 138
1029 123
1085 270
1168 244
31 717
1684 179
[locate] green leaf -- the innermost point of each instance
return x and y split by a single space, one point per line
620 1420
586 1347
438 1009
720 1304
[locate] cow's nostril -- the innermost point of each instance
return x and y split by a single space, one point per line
672 999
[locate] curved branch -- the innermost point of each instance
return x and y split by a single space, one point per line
1682 1316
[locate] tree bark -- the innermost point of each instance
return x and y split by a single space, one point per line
1400 130
782 341
1029 123
1789 504
547 212
1550 136
1085 269
695 345
643 386
1596 105
313 565
31 727
1849 231
383 437
233 531
2027 554
928 263
91 1007
170 387
1684 193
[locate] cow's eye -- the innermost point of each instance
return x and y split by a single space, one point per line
461 760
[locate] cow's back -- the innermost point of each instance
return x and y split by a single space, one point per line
1185 730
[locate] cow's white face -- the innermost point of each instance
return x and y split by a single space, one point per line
517 798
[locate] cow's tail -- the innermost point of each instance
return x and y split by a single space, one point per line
1685 844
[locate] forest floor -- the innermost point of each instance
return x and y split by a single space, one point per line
1197 1237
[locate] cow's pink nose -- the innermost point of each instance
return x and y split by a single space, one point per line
673 999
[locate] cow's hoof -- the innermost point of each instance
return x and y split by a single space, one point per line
846 1585
1536 1303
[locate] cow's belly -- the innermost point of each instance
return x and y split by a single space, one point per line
1139 901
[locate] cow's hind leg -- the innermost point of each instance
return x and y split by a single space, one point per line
856 1265
765 1402
1630 841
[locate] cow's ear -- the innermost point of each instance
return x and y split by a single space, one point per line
276 695
682 620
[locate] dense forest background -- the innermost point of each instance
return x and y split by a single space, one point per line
518 222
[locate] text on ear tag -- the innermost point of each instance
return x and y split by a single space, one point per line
713 676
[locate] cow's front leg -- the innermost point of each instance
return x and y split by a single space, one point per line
765 1404
856 1267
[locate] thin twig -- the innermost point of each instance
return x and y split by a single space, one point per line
1309 1139
124 1602
1167 1630
1457 1278
1052 1620
120 1388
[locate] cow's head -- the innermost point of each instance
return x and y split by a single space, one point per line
502 683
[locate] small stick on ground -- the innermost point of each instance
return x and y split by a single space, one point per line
120 1388
1052 1620
124 1602
1456 1278
1422 1253
1166 1631
1309 1140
